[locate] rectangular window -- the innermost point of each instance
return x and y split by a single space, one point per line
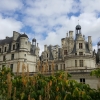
4 58
49 67
56 67
75 53
14 47
75 63
47 55
0 50
82 80
80 45
81 63
60 66
5 49
11 67
12 56
64 66
80 53
65 52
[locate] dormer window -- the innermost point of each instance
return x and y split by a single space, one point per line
14 47
65 52
80 45
5 49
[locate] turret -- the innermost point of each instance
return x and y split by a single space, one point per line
78 29
24 41
34 41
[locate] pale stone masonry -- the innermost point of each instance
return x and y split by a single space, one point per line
18 49
75 55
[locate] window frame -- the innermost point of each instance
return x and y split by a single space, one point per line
65 52
12 56
75 63
80 45
82 80
13 46
50 69
4 57
5 49
80 53
11 67
81 63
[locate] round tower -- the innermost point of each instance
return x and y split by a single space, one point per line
23 41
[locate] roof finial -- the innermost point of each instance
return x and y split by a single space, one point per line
78 22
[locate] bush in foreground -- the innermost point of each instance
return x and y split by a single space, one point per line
41 87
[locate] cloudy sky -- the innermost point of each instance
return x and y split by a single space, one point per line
49 20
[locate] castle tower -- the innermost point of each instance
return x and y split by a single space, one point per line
34 41
23 42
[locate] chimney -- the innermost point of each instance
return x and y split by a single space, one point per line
71 34
7 37
45 47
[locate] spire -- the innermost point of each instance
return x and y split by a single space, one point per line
78 22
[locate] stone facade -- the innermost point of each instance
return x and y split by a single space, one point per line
75 54
18 49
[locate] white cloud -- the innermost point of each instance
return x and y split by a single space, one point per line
90 5
50 7
10 5
9 25
49 19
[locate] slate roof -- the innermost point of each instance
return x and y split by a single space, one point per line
86 48
6 41
9 41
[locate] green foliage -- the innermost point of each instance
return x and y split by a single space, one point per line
40 87
95 73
